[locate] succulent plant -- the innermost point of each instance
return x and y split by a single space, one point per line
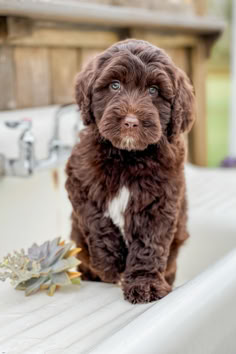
44 267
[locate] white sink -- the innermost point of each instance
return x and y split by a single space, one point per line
212 219
199 316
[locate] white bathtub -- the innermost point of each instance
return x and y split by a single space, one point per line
198 317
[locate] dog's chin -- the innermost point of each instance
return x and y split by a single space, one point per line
128 143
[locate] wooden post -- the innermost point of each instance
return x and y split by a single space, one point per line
3 28
33 86
7 79
199 131
64 67
200 7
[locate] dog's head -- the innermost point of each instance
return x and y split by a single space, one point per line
135 94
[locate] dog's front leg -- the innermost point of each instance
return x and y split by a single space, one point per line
143 280
95 233
107 249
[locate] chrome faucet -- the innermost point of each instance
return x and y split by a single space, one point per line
26 164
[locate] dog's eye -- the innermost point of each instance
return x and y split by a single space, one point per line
153 90
115 85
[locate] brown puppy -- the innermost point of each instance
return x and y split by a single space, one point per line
126 176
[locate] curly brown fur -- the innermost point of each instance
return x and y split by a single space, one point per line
133 142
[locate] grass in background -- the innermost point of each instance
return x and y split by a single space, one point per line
218 101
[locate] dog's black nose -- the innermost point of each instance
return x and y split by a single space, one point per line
131 122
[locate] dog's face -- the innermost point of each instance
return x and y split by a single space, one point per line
135 95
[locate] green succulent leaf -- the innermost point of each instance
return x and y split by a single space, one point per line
76 281
60 279
53 244
72 262
60 266
38 253
45 271
20 286
52 257
52 290
66 249
34 285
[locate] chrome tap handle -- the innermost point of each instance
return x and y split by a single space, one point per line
13 124
24 164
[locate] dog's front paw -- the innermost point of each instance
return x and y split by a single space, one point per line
145 290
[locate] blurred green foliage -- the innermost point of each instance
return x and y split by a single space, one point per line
220 55
218 86
218 99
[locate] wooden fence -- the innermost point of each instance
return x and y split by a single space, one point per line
40 54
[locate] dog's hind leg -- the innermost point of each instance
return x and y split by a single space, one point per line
180 237
170 272
84 267
88 274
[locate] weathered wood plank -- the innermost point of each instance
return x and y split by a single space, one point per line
67 37
64 66
18 27
179 57
7 80
87 54
95 14
164 40
3 28
32 76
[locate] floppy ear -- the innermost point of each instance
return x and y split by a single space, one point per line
83 91
183 107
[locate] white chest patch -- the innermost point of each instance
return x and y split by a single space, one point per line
117 206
